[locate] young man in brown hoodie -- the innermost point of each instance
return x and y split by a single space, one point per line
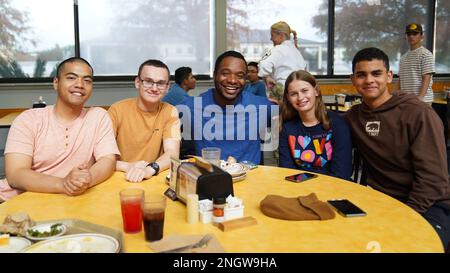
400 139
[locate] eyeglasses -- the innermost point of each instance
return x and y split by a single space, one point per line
412 33
161 85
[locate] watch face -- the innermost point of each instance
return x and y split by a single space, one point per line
155 166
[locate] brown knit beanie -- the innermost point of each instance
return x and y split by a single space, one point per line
296 208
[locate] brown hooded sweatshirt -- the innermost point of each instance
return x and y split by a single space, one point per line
403 143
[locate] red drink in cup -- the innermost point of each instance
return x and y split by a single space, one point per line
132 216
131 204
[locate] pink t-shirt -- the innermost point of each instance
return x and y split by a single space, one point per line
55 148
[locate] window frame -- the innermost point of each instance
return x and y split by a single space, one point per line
218 43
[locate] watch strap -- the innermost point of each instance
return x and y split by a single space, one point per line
154 166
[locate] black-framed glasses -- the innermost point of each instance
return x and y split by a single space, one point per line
412 33
161 85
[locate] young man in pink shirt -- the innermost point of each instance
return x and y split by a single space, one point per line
63 148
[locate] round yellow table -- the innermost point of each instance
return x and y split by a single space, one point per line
390 226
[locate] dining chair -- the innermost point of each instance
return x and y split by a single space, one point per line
447 123
359 168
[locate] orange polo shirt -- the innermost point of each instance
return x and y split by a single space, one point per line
140 134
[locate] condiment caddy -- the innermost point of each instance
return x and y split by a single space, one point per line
219 210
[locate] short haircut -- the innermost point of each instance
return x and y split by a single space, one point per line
155 63
255 64
182 73
230 53
369 54
71 60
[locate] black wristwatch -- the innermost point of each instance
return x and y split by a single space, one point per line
154 166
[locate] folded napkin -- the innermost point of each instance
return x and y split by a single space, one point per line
173 242
297 208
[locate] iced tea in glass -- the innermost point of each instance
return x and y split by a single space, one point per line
153 217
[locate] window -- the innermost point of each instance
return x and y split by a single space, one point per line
116 36
442 47
34 38
248 22
371 24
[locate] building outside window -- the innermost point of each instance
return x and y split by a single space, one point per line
34 38
442 47
118 35
248 25
131 32
360 24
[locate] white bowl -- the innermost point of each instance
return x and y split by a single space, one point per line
235 169
46 227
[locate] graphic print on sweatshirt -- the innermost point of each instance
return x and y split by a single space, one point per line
311 151
373 128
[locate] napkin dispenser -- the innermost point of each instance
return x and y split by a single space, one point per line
202 178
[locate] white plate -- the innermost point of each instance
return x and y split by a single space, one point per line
15 245
46 227
239 178
235 169
76 243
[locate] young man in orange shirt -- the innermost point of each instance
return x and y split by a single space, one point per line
147 130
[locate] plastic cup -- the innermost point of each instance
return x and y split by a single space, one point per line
131 201
153 216
212 155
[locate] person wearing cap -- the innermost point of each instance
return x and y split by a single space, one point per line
184 81
281 60
417 66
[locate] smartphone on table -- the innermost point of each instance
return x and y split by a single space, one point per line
300 177
346 208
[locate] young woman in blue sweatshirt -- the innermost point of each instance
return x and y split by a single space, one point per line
312 138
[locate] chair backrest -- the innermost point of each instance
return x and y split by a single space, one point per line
447 122
359 168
